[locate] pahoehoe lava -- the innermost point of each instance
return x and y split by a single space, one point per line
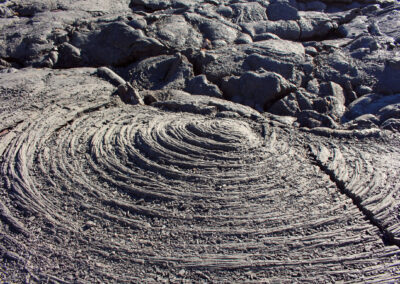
184 141
137 193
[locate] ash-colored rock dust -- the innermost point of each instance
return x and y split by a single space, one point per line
151 141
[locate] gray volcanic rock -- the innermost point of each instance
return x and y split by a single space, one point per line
392 124
161 72
288 30
28 38
110 76
175 32
282 11
276 55
114 44
286 69
155 5
258 90
244 12
365 121
68 56
199 85
371 104
288 106
218 32
184 141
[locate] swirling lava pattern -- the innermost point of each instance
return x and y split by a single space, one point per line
142 194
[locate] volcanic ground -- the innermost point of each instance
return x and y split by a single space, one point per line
182 141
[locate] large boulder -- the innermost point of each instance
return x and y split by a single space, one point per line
175 32
276 56
282 11
160 72
247 12
115 44
258 90
384 108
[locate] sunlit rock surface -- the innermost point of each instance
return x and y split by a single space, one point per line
200 141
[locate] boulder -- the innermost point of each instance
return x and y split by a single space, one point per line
366 121
110 76
312 119
331 106
155 5
373 104
259 90
279 55
247 12
282 11
69 56
388 79
332 89
287 106
160 72
176 32
129 95
289 30
286 69
392 124
115 44
389 111
199 85
213 30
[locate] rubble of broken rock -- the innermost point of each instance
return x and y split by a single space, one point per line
327 57
207 141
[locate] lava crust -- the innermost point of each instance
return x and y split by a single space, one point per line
199 141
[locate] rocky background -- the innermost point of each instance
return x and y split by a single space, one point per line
206 141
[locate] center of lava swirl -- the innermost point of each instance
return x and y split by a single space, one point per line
223 135
193 148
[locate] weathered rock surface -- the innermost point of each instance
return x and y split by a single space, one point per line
199 141
258 90
161 72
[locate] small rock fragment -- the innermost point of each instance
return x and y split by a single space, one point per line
111 76
129 95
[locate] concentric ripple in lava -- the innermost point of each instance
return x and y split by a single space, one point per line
139 193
